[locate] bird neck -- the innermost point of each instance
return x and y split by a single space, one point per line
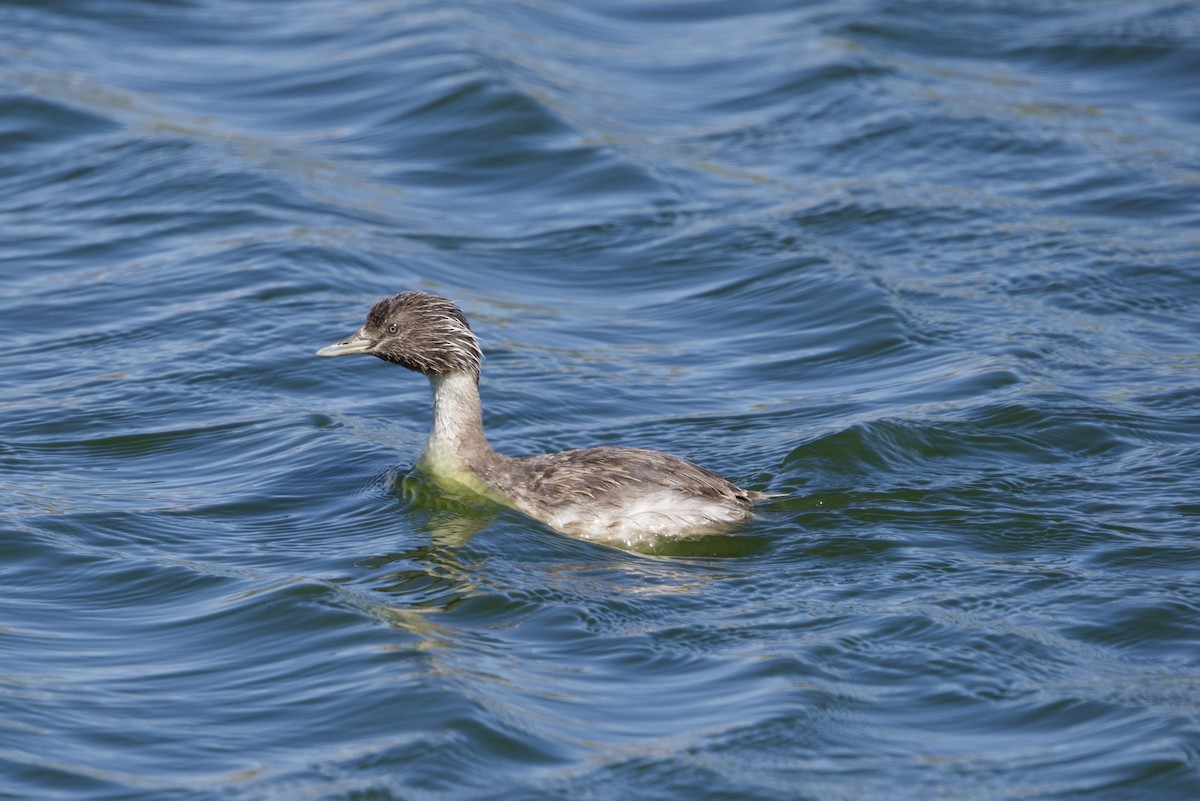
456 440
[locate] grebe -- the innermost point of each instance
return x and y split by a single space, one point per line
607 493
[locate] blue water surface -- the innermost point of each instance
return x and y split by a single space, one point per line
929 271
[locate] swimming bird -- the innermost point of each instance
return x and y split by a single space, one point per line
612 494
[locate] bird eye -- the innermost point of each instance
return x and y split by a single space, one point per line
392 328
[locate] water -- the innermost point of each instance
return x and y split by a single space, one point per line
927 269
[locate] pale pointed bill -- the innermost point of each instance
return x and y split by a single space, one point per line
358 343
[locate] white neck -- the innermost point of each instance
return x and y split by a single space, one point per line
456 440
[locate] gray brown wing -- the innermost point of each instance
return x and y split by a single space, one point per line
594 474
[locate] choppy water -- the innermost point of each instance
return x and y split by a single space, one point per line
929 269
